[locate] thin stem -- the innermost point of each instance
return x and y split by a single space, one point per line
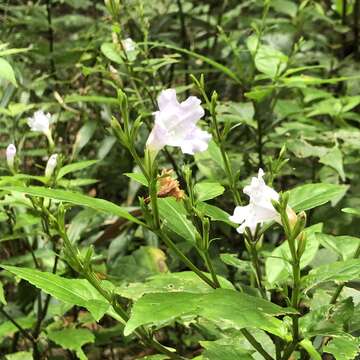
18 326
342 285
51 38
168 242
256 265
256 345
210 267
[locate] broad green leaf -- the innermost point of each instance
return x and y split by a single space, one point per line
306 197
334 159
74 198
20 355
216 350
343 348
112 53
73 291
72 339
270 61
2 295
228 307
208 190
75 167
174 217
185 281
338 271
285 7
7 72
345 246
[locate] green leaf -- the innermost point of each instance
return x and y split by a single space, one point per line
334 159
83 136
343 348
74 98
74 198
7 72
233 260
185 281
112 52
140 178
310 349
337 271
67 169
7 328
230 308
351 211
2 295
345 246
215 213
306 197
278 264
72 339
20 355
208 190
174 216
216 350
270 61
73 291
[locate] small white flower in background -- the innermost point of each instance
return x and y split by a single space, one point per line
259 209
128 44
175 124
50 166
40 122
10 155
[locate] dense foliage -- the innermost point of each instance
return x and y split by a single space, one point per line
119 245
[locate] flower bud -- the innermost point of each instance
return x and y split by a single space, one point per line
51 165
10 156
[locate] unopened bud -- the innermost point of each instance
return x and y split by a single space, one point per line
10 156
301 244
51 165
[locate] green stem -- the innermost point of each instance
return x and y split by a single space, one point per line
256 345
169 243
210 267
342 285
256 264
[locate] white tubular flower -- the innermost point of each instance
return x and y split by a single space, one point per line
175 124
259 209
10 155
50 166
40 122
128 44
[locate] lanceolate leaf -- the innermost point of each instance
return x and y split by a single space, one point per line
73 291
338 271
74 198
227 307
174 216
308 196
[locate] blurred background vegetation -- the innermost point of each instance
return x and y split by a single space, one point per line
298 86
